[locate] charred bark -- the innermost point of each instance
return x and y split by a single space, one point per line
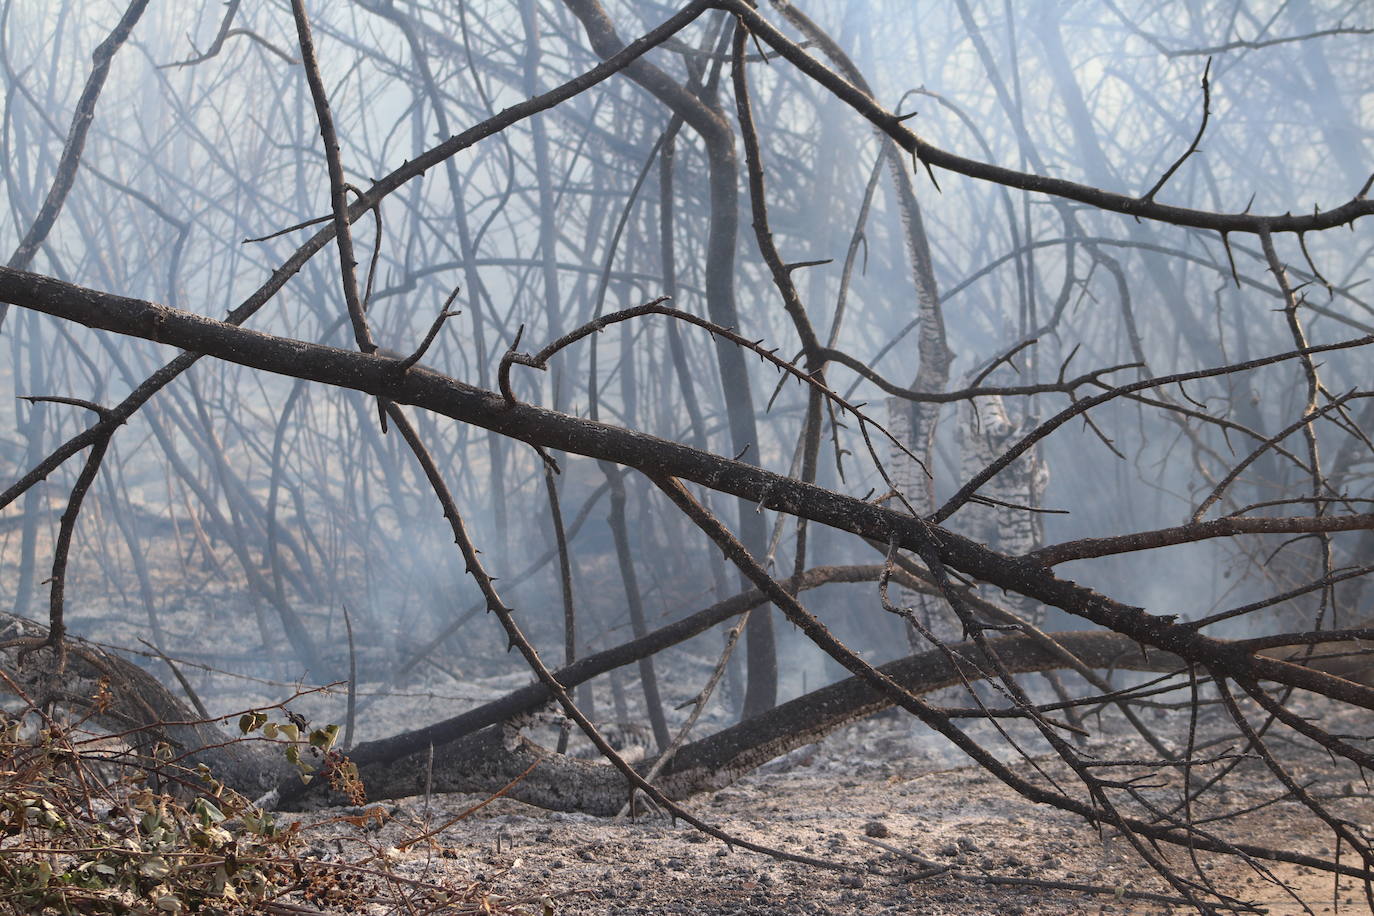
118 696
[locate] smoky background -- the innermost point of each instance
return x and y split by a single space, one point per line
239 514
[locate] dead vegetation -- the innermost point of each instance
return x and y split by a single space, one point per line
549 297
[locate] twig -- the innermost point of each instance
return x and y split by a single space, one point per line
909 856
351 713
1192 147
444 315
1101 890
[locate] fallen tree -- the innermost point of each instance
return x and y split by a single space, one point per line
482 750
497 758
939 548
400 383
491 758
474 756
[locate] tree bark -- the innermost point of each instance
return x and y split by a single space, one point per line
140 710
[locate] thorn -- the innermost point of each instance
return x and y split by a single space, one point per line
800 264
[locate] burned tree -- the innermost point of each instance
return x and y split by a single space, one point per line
468 331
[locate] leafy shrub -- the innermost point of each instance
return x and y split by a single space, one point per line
88 826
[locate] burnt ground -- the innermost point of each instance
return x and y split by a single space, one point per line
885 780
876 780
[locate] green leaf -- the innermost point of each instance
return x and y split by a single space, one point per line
211 837
252 721
324 738
207 813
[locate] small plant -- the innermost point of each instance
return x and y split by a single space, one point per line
321 759
71 842
90 826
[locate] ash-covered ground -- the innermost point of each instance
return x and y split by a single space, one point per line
911 826
881 800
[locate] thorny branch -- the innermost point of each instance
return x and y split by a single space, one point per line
1259 672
